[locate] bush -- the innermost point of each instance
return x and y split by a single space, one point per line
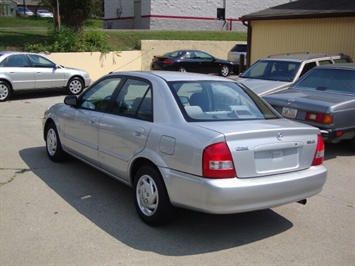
69 40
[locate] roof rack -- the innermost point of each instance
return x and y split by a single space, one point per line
288 54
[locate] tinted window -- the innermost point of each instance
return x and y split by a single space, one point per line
219 101
239 48
18 60
272 70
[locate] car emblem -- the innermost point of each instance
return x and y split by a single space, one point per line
279 136
289 101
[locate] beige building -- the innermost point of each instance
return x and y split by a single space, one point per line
315 26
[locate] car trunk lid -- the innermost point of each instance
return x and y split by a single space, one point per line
268 147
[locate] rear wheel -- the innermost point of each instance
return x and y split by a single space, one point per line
53 145
5 91
75 86
224 71
151 198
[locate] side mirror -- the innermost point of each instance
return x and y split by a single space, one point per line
71 100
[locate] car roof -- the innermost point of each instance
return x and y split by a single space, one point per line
172 75
346 66
302 56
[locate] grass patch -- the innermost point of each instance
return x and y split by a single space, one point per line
13 36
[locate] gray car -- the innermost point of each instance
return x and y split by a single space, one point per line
187 140
277 72
20 71
325 98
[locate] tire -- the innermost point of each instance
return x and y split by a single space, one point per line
224 71
53 145
5 91
352 143
151 199
75 86
182 69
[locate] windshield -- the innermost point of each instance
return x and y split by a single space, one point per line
272 70
330 80
219 101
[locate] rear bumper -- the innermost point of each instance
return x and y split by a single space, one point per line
223 196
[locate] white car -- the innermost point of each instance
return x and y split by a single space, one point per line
43 13
21 71
187 140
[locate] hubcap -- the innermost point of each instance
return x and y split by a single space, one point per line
224 71
51 141
147 195
4 92
75 86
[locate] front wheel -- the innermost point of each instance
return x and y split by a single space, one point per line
182 69
151 199
224 71
53 145
352 143
75 86
5 91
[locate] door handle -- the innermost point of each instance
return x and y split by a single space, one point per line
138 132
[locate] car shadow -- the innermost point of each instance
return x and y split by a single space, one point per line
109 205
33 94
342 148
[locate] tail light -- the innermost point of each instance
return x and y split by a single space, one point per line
168 61
319 155
319 118
217 161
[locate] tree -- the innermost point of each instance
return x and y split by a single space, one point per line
73 13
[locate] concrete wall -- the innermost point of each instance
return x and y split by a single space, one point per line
181 14
98 64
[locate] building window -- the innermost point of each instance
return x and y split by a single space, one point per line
221 13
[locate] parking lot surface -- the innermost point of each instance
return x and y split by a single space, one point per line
71 214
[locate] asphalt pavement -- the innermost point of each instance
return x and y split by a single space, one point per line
70 214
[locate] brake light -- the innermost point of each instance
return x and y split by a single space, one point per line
319 118
168 61
319 155
217 162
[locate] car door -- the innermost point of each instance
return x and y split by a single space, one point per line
47 74
19 72
81 124
206 63
123 133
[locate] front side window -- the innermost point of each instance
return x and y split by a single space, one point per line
40 61
219 101
99 95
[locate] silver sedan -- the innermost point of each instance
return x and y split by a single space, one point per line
187 140
21 71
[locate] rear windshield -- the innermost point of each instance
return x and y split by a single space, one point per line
330 80
240 48
219 101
